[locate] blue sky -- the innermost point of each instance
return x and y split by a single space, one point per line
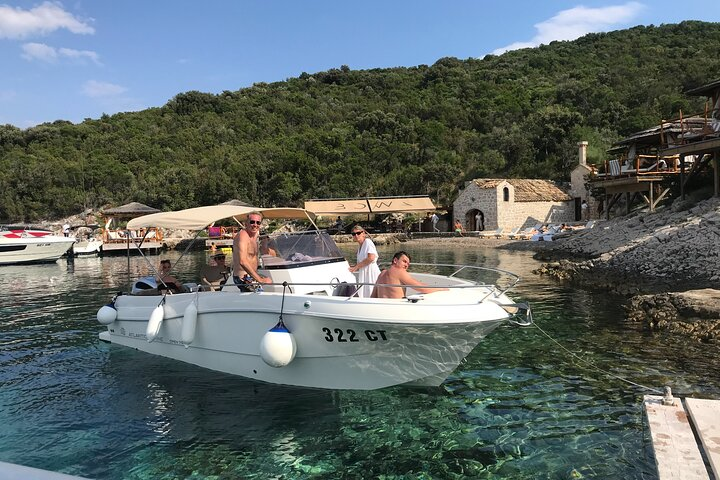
80 59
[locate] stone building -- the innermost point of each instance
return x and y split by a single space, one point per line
579 191
511 203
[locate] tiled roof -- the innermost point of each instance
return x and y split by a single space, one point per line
527 190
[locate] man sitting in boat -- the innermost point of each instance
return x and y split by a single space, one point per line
398 274
245 260
213 276
166 281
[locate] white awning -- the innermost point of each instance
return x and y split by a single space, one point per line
200 217
370 205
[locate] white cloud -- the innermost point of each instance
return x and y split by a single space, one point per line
39 51
576 22
95 89
46 53
80 55
16 23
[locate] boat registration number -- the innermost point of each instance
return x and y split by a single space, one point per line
349 335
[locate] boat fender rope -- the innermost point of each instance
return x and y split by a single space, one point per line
282 307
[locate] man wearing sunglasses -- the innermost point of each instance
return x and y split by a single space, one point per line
245 254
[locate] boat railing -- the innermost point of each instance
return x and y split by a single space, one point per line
490 288
458 269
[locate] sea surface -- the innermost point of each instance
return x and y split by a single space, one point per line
526 404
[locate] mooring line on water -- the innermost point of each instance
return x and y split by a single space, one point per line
582 360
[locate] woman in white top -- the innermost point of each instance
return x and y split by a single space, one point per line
367 268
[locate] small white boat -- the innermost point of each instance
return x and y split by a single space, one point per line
90 246
307 328
26 245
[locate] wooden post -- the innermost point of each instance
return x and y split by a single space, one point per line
652 199
607 207
682 176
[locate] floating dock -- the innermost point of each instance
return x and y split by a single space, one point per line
685 436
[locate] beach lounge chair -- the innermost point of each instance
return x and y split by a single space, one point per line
526 233
513 232
496 233
545 235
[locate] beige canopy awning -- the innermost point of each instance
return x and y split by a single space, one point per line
370 205
200 217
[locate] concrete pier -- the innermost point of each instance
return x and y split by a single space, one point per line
684 433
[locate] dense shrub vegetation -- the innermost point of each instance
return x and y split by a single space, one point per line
419 130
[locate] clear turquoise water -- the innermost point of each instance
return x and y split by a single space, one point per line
519 407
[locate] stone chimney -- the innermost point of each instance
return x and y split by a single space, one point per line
582 152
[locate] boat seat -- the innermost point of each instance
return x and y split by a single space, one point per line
145 286
345 289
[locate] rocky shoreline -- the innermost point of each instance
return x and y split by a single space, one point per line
667 262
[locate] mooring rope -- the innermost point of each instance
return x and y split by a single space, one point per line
590 364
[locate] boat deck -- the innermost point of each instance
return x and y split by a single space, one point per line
685 435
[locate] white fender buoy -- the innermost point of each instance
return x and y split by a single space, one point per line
278 347
107 314
153 326
187 333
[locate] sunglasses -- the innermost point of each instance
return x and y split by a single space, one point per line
254 222
356 233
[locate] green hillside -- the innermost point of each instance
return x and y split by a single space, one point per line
420 130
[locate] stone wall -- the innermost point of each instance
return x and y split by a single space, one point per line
475 198
578 178
527 214
509 215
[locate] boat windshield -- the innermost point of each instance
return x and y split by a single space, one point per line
300 247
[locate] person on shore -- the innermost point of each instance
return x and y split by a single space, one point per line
480 220
397 274
245 256
459 229
214 276
165 281
367 257
435 219
584 210
66 229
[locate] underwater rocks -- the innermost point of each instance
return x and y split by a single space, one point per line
694 313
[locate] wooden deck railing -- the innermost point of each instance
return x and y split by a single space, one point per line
692 128
642 165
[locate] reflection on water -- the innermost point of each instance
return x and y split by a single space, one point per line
517 407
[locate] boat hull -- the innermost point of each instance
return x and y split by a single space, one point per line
342 343
88 247
29 249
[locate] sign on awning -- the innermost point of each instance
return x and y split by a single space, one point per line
348 206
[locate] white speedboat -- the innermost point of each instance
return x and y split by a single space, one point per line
26 245
88 246
307 328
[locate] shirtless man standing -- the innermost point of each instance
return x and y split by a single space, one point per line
398 274
245 254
